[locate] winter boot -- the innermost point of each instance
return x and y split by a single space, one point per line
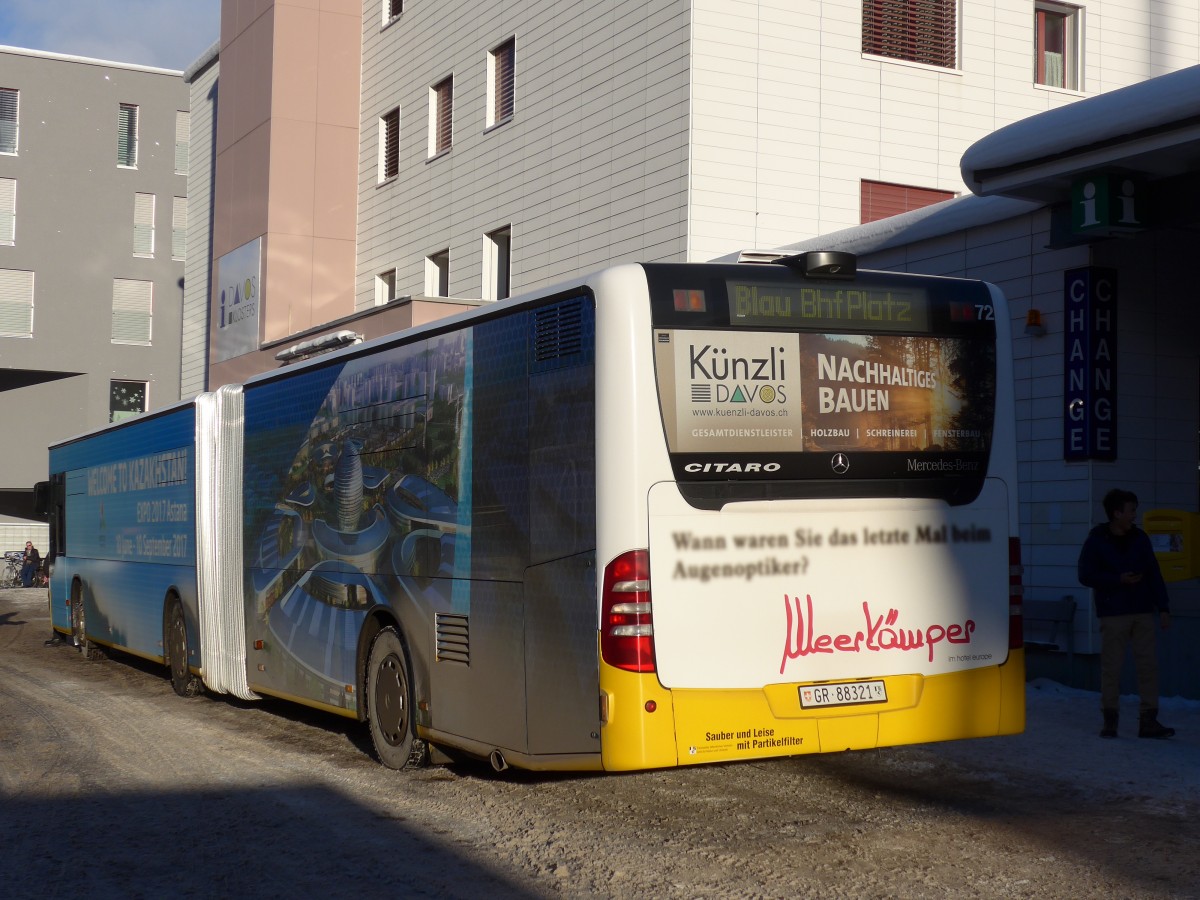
1150 727
1110 724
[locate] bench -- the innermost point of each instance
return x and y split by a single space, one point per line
1054 622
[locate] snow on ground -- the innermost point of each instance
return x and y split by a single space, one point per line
1062 740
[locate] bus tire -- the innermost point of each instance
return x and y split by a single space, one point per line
175 640
79 625
390 703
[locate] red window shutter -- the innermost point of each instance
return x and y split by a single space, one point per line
879 199
505 58
923 31
445 115
391 144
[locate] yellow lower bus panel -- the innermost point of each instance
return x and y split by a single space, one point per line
647 726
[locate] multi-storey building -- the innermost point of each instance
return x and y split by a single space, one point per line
93 174
375 151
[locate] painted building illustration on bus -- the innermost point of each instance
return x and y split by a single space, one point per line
394 478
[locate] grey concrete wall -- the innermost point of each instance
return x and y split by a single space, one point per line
591 169
74 230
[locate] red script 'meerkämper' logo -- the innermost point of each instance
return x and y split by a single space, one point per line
881 634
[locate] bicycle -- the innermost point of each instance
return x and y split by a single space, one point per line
11 576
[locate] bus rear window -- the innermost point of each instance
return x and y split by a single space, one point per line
793 384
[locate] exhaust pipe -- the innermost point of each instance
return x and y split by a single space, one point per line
496 758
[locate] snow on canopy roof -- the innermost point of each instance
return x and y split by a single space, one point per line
947 217
1125 113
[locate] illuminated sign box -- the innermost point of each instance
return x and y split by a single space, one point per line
1107 204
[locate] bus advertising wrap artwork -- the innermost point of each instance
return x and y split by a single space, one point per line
733 391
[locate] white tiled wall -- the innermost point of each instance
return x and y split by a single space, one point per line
1158 386
14 534
673 129
788 116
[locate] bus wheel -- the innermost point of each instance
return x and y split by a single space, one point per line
389 703
79 625
183 681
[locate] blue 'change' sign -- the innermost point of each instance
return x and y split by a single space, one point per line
1090 389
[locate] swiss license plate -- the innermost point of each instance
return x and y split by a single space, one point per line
842 693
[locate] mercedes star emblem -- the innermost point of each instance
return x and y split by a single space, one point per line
840 463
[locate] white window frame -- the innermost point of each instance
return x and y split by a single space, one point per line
15 120
8 212
444 88
437 274
179 228
497 264
385 287
143 225
392 10
495 114
389 135
115 415
127 130
132 311
183 139
16 303
1072 63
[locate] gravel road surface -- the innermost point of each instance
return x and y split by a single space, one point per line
112 786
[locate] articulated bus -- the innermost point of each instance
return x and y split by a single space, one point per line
669 514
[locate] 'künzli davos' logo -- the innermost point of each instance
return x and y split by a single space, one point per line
725 378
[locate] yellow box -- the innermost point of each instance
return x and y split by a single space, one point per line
1174 534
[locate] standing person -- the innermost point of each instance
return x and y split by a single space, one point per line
29 564
1117 562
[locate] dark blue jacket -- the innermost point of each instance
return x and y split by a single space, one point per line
1102 560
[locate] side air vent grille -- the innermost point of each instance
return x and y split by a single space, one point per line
558 337
453 638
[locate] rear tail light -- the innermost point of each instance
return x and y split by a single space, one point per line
626 624
1016 593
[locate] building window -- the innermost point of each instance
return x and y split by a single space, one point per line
441 116
392 10
1057 56
8 211
497 257
385 287
16 303
880 199
437 274
921 31
183 137
9 103
143 225
127 135
133 304
179 228
126 399
500 87
389 145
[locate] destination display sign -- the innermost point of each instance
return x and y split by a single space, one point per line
828 306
